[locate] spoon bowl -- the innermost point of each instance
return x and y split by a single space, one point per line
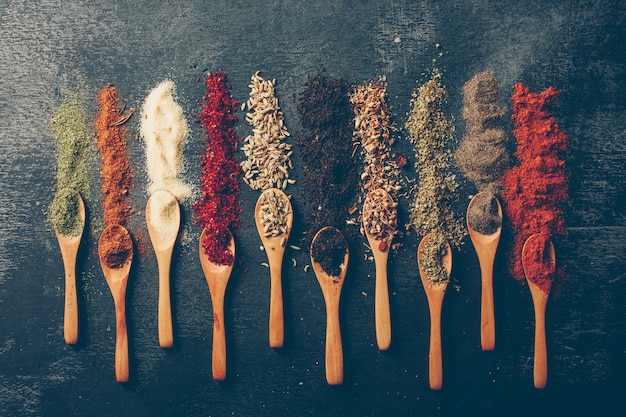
274 244
435 292
331 290
540 296
380 250
217 277
69 246
486 246
117 279
163 221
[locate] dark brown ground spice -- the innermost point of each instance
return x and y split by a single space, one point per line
331 176
329 249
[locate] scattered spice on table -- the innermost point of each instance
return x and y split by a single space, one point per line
372 133
164 131
218 208
268 157
432 136
73 153
538 263
275 208
116 173
329 249
331 177
482 154
115 246
536 188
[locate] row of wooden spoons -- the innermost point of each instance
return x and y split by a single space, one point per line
217 277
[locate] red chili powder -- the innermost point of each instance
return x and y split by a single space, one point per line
538 263
536 187
218 208
115 172
115 246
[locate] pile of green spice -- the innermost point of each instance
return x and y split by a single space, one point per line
482 154
73 151
331 177
218 208
431 135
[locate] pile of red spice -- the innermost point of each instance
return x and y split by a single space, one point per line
115 172
536 187
218 208
538 263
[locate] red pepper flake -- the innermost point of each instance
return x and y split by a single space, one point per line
535 188
218 208
383 246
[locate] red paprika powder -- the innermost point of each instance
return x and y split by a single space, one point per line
537 186
218 208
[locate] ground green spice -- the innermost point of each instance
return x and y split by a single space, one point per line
431 135
73 151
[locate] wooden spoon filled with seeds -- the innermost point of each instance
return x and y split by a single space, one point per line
69 231
380 219
274 218
329 257
434 259
217 276
484 224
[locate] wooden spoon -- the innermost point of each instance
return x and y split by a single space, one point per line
331 289
117 278
540 299
381 308
486 247
69 251
434 294
275 249
163 207
217 278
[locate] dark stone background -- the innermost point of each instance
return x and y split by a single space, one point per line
49 47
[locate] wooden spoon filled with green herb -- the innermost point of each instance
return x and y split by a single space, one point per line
539 262
217 276
380 220
484 224
329 257
434 260
68 218
115 249
163 221
274 217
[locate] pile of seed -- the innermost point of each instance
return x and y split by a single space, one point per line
380 218
431 135
274 211
331 177
268 158
372 130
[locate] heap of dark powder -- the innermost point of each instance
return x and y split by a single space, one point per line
329 249
331 176
482 154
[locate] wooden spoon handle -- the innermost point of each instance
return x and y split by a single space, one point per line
334 348
435 371
540 371
487 314
166 332
218 355
70 315
277 321
382 311
121 343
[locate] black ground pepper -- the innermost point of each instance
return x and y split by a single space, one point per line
329 249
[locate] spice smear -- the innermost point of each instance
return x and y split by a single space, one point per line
73 153
536 187
268 157
218 208
432 135
331 177
164 130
